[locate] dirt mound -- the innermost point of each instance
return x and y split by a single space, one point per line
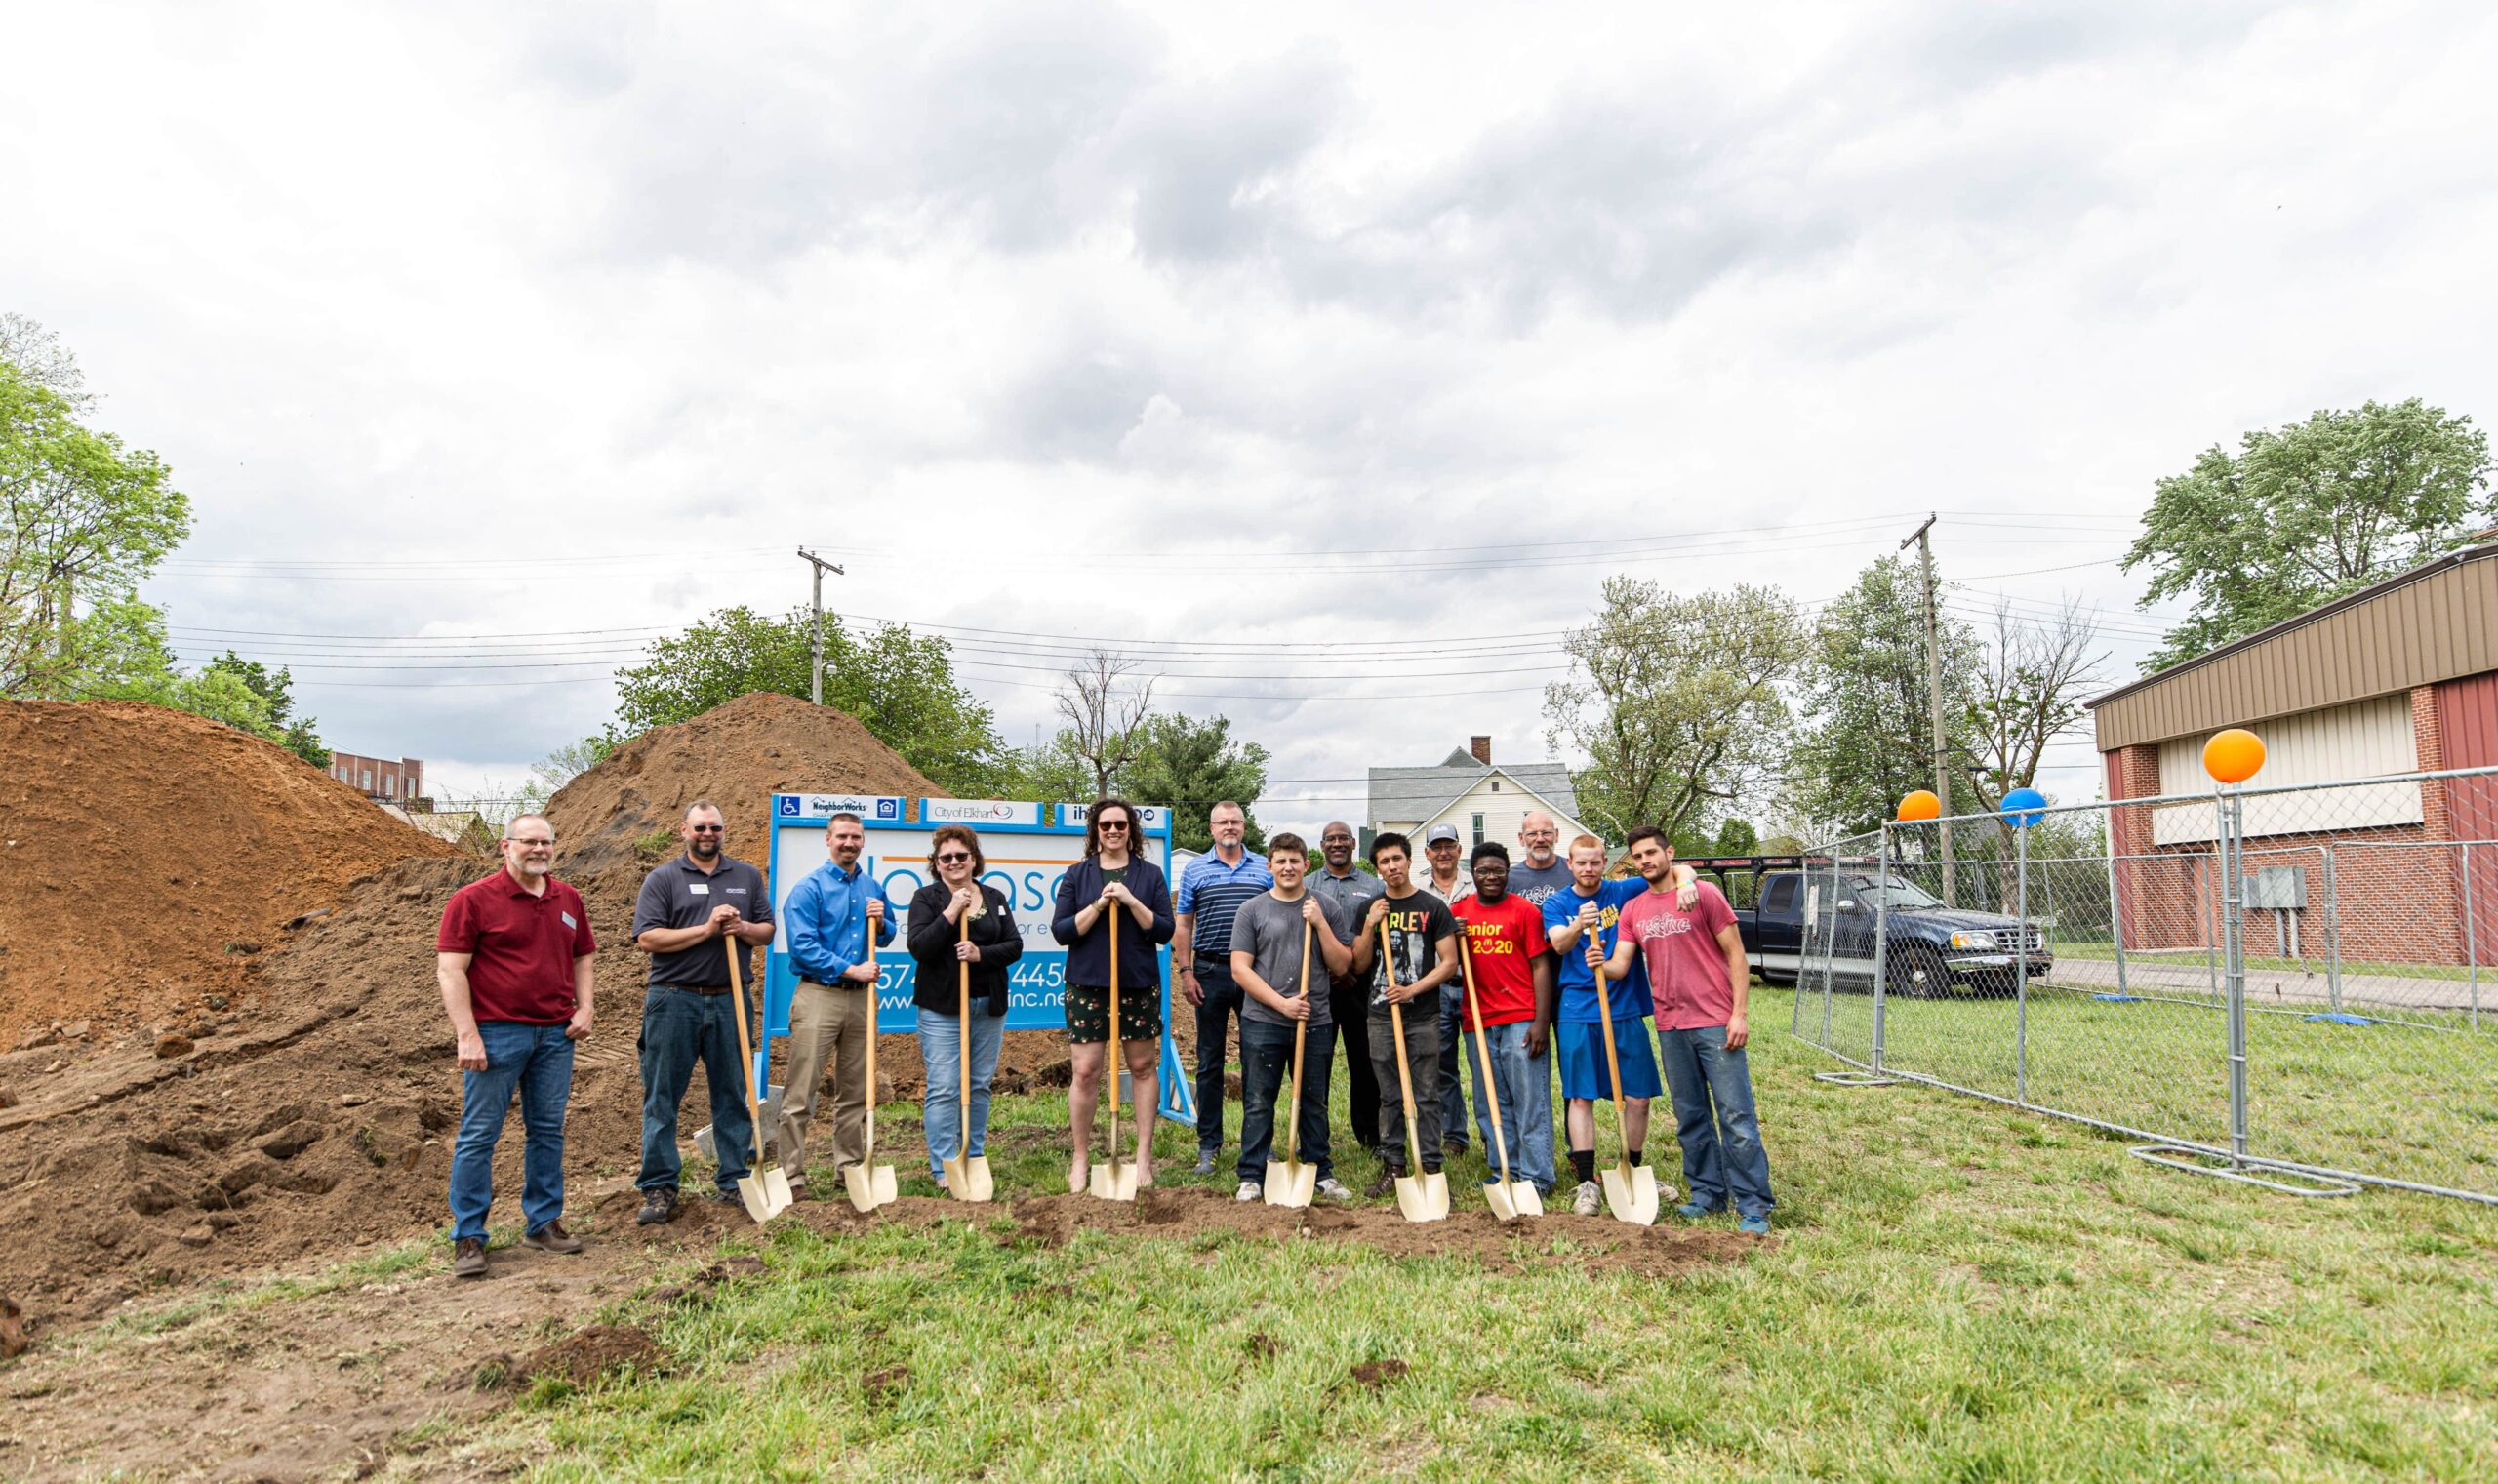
736 755
154 854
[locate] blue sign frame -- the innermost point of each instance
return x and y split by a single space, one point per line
1040 975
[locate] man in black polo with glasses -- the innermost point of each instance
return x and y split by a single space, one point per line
693 912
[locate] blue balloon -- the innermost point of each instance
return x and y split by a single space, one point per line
2025 807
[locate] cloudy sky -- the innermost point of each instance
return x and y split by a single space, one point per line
1336 359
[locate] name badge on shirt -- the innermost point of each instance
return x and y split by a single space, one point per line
699 888
567 919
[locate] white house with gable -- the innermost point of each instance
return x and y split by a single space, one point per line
1485 800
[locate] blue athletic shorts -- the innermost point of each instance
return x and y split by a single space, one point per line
1581 1047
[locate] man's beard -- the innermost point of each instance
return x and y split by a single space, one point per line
705 848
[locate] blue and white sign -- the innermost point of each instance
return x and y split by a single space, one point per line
1157 819
1025 860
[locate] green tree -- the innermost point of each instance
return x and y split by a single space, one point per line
1677 702
899 684
1191 764
2301 515
1870 737
299 734
82 521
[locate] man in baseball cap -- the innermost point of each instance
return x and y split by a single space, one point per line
1441 875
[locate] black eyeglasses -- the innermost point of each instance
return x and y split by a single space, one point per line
707 829
953 857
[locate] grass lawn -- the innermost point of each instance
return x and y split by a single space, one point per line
1958 1291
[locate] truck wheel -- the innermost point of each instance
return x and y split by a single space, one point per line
1915 972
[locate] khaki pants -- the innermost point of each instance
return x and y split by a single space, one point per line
827 1025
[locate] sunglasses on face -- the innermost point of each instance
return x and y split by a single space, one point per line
707 829
1111 825
953 857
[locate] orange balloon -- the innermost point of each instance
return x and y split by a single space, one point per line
1920 804
2233 756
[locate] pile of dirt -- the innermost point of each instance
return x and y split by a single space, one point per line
736 755
152 856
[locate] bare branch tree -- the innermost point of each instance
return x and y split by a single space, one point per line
2031 691
1105 715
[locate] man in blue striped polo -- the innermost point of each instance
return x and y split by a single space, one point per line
1211 892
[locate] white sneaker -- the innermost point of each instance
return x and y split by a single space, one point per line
1334 1189
1589 1200
1250 1190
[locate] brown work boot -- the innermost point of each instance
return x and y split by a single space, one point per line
469 1258
552 1237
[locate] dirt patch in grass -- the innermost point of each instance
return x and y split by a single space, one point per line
587 1353
1375 1374
1594 1244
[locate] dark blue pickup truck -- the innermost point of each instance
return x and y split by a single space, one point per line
1930 950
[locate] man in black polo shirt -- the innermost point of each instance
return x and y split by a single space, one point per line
692 912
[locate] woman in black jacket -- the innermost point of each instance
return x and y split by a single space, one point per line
937 949
1112 881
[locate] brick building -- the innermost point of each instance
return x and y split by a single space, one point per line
396 779
2394 679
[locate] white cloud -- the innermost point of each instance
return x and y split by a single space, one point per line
696 285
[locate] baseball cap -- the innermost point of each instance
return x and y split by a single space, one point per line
1439 833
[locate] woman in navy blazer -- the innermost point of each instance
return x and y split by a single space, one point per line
1112 889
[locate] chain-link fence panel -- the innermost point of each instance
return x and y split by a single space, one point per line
2371 1049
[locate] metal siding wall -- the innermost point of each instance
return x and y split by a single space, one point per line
2427 631
2372 739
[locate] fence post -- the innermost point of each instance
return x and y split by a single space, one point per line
2332 930
2234 965
1825 914
1881 931
2471 938
2116 909
2021 965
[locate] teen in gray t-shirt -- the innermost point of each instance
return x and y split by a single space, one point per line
1269 931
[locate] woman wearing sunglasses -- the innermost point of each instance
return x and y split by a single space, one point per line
938 949
1113 888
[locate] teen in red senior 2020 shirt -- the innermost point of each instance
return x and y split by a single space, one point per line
1701 980
1513 989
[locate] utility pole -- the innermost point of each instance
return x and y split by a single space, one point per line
1934 701
821 566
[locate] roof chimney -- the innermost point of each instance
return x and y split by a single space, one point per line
1482 749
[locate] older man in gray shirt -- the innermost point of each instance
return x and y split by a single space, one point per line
1351 891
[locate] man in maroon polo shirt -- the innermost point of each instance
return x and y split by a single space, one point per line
514 960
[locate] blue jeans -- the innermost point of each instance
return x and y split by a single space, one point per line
679 1026
941 1118
1214 1033
1266 1062
1713 1092
1452 1085
1524 1088
536 1061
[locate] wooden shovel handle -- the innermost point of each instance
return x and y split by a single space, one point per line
963 1039
1397 1029
1118 1050
1613 1068
1489 1098
746 1050
1300 1034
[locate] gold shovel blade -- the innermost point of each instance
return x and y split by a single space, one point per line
1631 1194
870 1186
1113 1180
976 1183
1503 1200
1291 1183
757 1200
1422 1197
1523 1196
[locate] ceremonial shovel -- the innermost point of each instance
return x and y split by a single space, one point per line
1114 1179
1509 1198
765 1189
1629 1191
967 1177
1292 1183
1421 1195
871 1184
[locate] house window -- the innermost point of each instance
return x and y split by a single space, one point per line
1496 787
367 784
1479 830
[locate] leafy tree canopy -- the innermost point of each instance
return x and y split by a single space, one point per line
1872 733
899 684
2301 515
1191 764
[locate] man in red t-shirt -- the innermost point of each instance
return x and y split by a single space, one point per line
1701 980
1503 938
513 961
